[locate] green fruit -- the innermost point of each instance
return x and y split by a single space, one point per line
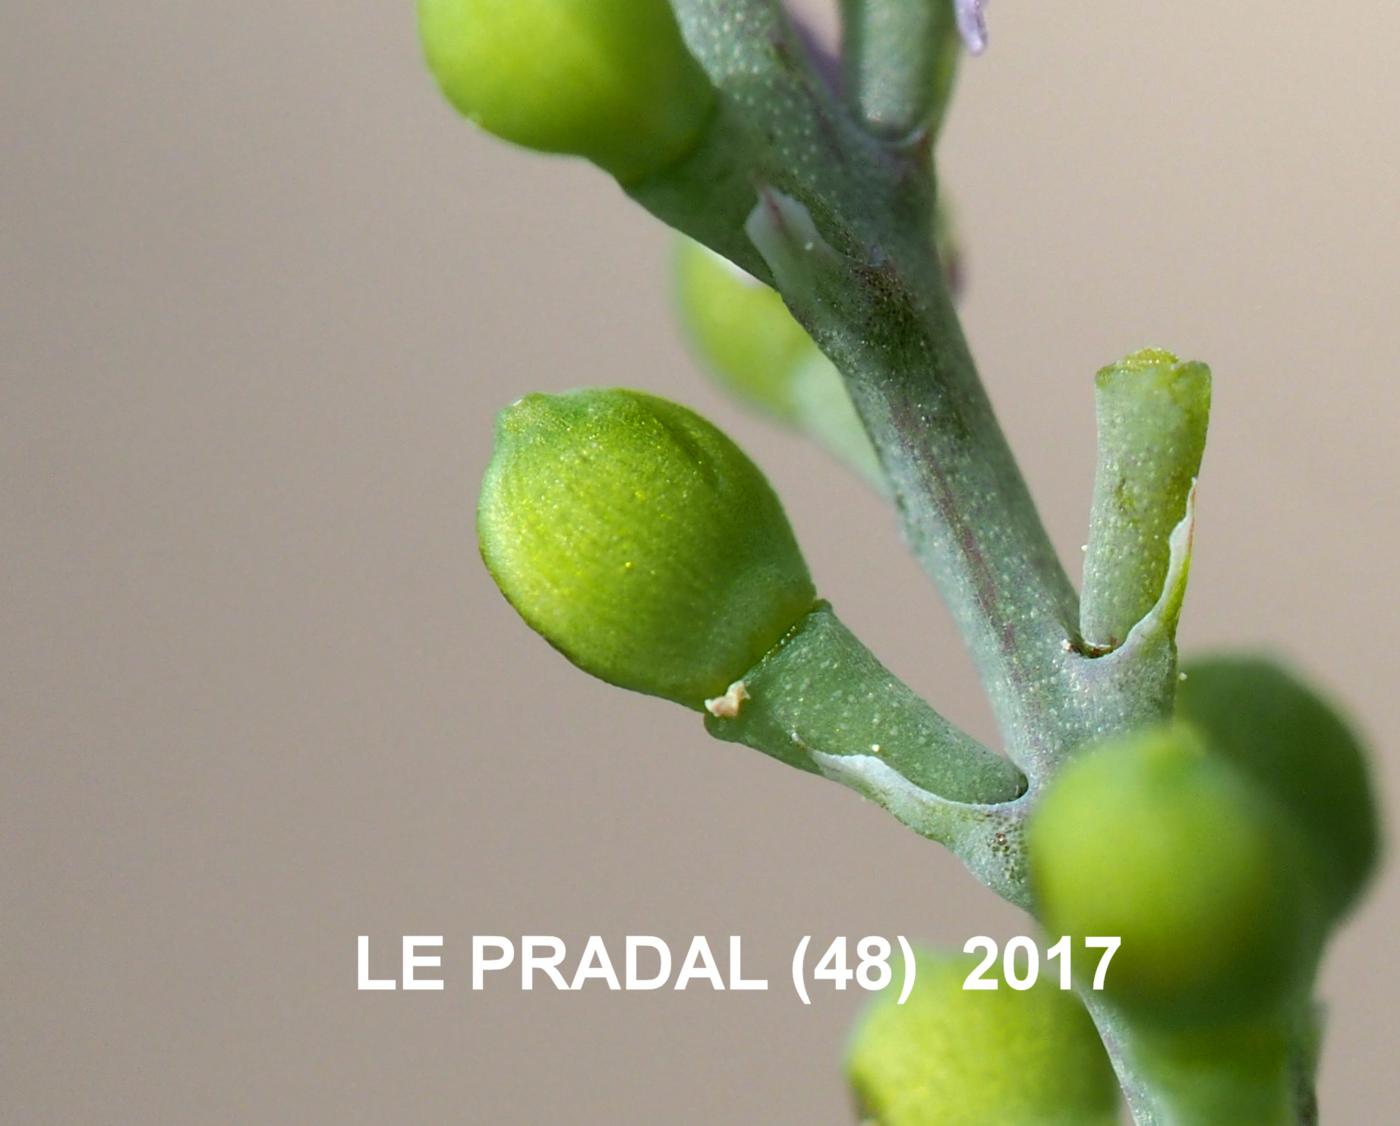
639 541
755 349
1152 840
741 330
1274 728
610 80
955 1057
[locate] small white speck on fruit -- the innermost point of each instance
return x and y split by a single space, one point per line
874 748
727 706
1181 676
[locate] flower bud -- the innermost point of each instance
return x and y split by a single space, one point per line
951 1056
610 80
639 541
1152 840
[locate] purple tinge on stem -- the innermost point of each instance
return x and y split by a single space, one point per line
824 59
972 24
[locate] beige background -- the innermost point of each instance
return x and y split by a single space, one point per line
262 294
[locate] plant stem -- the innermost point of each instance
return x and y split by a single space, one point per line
890 326
1258 1070
844 231
833 202
899 59
1137 1093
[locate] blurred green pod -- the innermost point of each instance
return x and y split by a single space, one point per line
1153 840
1293 743
753 347
950 1056
741 330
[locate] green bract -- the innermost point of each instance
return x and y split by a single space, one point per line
1152 413
640 541
955 1057
1151 839
1291 742
610 80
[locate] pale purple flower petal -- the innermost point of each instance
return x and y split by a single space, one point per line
972 24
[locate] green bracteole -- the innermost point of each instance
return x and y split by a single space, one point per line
1153 839
821 689
1152 415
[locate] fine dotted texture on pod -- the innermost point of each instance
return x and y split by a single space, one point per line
1153 840
639 541
955 1057
1281 733
610 80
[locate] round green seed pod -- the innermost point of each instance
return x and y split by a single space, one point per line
610 80
1290 741
639 541
1152 840
955 1057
